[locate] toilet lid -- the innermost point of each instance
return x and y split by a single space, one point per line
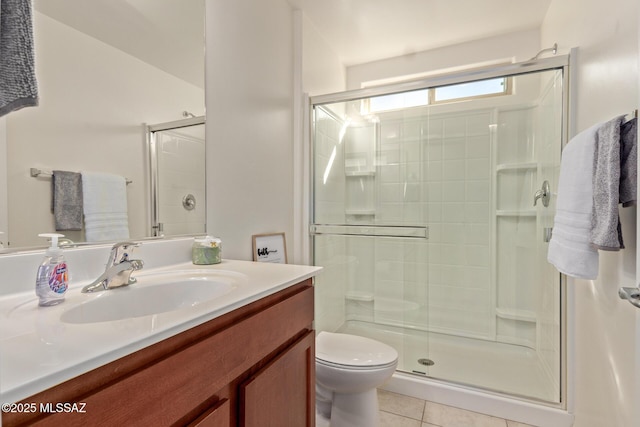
352 350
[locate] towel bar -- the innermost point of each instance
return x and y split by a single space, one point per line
632 115
35 172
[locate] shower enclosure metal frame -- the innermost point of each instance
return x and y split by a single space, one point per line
560 62
155 225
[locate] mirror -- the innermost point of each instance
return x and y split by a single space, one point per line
105 69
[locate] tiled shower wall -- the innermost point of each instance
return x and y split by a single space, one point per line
432 171
435 171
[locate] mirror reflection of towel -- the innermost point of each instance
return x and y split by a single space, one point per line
67 200
105 207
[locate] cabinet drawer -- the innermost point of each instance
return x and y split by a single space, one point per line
218 416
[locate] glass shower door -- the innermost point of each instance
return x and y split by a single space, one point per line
425 222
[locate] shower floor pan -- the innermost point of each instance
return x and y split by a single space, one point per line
504 368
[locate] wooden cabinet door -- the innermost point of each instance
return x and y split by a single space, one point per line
282 394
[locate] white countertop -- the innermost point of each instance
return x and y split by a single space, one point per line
38 350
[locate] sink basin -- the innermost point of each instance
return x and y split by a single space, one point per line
155 293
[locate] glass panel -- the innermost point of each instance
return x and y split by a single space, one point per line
475 301
468 90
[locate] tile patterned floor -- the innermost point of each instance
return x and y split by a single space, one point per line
397 410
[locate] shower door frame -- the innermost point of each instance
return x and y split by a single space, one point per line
558 62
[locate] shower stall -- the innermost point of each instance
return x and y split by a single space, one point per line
432 208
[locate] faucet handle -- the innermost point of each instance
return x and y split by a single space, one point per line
120 252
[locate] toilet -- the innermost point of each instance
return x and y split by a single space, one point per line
349 369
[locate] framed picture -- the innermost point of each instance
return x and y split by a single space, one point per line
270 247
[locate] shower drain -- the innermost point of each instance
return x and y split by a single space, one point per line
426 362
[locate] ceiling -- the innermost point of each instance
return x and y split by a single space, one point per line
170 33
366 30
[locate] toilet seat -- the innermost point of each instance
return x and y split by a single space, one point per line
353 352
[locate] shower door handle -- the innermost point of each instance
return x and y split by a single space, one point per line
630 294
544 193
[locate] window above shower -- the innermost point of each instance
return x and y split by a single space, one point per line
457 92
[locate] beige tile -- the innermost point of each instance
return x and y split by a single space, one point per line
401 405
429 425
448 416
517 424
392 420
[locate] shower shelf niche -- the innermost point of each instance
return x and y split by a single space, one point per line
358 212
361 193
517 166
351 174
519 213
515 314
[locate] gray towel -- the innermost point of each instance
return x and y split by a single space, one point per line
629 163
18 85
605 219
67 200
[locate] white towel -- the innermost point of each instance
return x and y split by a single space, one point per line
570 249
105 207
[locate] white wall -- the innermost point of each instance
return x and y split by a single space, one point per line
500 49
606 35
249 80
322 71
94 100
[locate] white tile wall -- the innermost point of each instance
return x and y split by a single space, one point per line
433 172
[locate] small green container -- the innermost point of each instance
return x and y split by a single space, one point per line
206 251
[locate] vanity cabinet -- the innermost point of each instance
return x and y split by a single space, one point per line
254 366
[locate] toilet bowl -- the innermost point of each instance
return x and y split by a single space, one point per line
349 368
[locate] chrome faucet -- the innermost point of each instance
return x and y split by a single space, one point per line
118 269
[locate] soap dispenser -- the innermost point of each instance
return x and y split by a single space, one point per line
52 280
